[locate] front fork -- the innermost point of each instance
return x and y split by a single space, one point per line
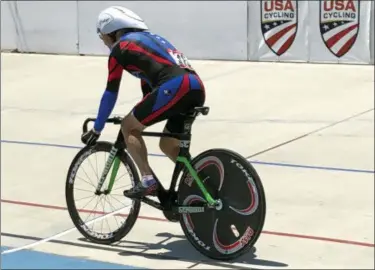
114 160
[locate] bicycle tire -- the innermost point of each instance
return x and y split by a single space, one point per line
131 218
188 191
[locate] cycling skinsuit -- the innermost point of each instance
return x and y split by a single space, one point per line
169 84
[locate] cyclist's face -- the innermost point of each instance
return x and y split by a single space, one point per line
107 40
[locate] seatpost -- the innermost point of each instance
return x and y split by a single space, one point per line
186 137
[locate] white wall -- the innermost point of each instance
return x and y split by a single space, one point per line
47 26
8 28
372 35
204 29
201 29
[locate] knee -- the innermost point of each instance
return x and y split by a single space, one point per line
130 126
126 126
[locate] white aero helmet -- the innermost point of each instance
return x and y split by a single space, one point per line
115 18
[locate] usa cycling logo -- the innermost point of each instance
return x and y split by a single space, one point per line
339 24
279 21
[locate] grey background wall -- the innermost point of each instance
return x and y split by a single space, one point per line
372 35
199 28
202 29
39 26
8 29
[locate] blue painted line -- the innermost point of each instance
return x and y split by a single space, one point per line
28 259
41 144
58 146
252 161
311 167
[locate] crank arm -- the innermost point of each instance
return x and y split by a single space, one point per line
152 203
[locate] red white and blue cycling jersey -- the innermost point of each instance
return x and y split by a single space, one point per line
169 83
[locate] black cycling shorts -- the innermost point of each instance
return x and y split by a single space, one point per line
167 102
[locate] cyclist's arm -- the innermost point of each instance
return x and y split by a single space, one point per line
110 94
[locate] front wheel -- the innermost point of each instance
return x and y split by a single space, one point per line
82 179
233 230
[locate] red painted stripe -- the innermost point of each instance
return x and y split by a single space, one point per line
326 239
344 49
286 45
134 47
273 39
184 88
54 207
334 39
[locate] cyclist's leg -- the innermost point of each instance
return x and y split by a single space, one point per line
175 124
172 98
133 128
170 146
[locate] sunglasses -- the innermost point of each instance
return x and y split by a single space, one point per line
99 34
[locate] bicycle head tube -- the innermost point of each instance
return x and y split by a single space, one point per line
120 141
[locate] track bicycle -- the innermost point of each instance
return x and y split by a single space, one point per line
219 202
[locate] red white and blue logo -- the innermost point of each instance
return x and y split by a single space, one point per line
339 24
279 22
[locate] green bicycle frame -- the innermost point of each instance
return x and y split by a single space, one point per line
115 161
116 165
199 182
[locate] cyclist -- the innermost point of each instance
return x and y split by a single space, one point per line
169 84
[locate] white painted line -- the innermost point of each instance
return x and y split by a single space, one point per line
62 233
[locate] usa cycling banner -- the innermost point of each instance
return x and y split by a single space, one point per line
340 31
278 30
310 31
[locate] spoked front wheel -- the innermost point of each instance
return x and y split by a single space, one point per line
233 229
104 224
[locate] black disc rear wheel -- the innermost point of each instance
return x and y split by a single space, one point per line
233 230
